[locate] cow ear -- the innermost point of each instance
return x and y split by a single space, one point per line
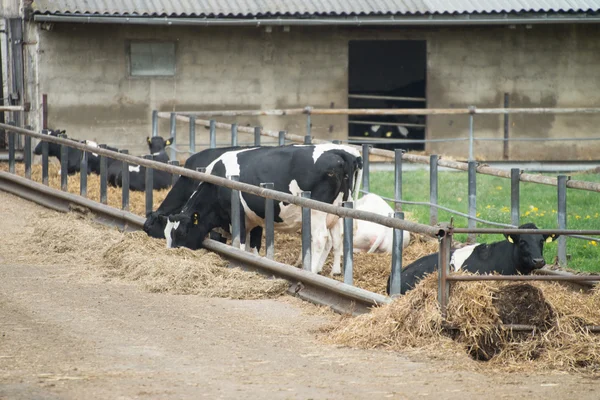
169 141
551 238
148 139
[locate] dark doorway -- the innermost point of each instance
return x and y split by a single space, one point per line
387 74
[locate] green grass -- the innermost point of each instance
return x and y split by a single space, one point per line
538 204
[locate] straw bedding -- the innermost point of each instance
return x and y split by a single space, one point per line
472 330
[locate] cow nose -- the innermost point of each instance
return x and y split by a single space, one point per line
539 262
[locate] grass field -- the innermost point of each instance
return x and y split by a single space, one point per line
538 204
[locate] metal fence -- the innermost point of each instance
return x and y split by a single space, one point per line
443 232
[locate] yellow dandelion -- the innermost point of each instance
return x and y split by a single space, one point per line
577 217
498 187
488 206
527 213
505 209
587 217
478 214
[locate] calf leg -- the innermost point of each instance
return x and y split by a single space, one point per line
319 237
336 233
256 239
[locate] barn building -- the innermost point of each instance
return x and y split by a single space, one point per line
106 65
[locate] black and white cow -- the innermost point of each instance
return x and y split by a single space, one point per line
328 171
137 173
518 254
181 191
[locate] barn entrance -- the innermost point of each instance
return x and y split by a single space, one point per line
387 74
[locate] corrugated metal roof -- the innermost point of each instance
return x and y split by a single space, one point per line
257 8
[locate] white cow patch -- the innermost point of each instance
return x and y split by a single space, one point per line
322 148
229 159
92 144
156 154
460 256
375 128
134 168
402 131
168 229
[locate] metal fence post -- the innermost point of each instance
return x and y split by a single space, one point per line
365 156
336 141
234 134
307 139
27 154
306 237
83 174
515 181
257 135
443 271
45 162
269 223
11 150
348 246
397 250
308 125
433 189
235 214
149 186
472 238
124 183
192 134
103 177
562 218
64 165
213 134
282 138
471 139
174 177
506 128
154 123
398 179
173 145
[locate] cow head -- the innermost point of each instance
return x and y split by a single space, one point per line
529 249
53 148
154 226
157 143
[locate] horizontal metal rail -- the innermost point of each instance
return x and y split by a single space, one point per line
376 97
12 108
566 139
527 231
387 123
554 278
271 194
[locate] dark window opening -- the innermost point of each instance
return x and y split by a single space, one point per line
387 74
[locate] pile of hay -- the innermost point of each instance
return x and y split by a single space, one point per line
137 200
73 239
472 329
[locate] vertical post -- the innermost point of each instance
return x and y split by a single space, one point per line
443 271
515 180
269 223
174 177
307 139
154 123
124 183
257 135
282 138
306 238
398 179
192 134
103 177
213 134
365 156
44 111
83 174
11 151
27 154
336 141
433 189
348 246
235 214
471 139
397 249
234 134
472 199
506 127
149 185
64 165
45 162
562 219
173 145
308 125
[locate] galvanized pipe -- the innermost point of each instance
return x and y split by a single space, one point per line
103 177
282 138
506 128
571 278
11 152
45 162
27 155
83 174
444 272
174 177
515 206
308 126
269 223
348 225
433 188
64 162
149 185
192 134
257 130
365 156
154 123
562 218
213 134
235 215
397 250
472 199
397 179
471 157
307 139
173 130
124 183
306 236
234 134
